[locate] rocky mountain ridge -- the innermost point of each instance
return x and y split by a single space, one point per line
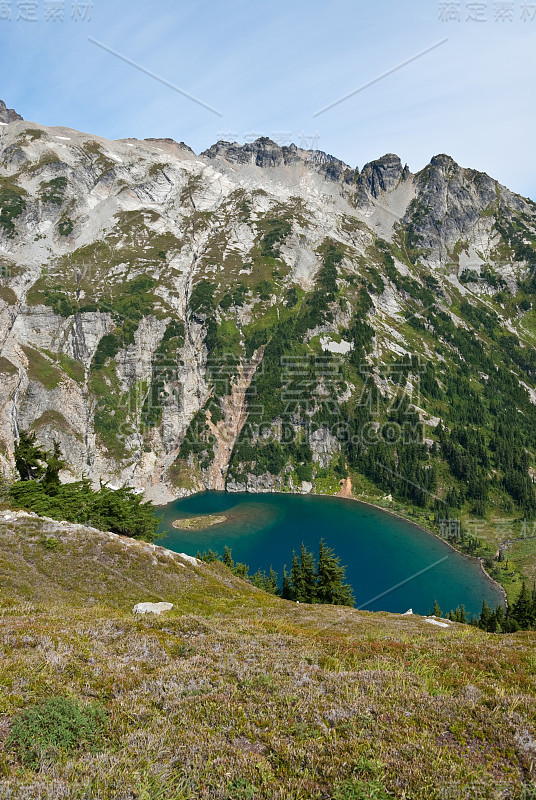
144 288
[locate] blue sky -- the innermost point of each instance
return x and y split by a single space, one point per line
268 67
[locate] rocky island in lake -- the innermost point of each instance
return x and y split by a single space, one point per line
199 523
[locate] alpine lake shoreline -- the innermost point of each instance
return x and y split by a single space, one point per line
398 513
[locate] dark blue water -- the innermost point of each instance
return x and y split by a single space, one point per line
392 565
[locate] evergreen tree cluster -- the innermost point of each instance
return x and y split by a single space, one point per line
521 616
40 490
309 580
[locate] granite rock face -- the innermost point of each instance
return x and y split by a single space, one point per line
456 204
8 114
381 176
265 153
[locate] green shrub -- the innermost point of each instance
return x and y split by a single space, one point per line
469 275
304 472
59 302
278 231
377 282
32 134
264 290
353 789
54 726
66 227
164 368
226 302
239 294
108 347
120 511
291 297
49 543
202 297
12 204
53 191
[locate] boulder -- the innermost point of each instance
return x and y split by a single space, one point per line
437 622
190 559
152 608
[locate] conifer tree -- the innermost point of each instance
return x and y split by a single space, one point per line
298 589
287 592
522 610
55 464
268 583
228 558
273 581
500 619
492 623
303 576
330 579
485 616
29 457
241 570
533 599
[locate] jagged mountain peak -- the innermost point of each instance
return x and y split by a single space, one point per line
264 152
445 161
382 175
8 114
389 159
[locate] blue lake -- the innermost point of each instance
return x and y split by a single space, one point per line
392 565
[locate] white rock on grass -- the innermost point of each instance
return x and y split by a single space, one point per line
191 559
152 608
438 623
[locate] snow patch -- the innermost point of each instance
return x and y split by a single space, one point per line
335 347
113 157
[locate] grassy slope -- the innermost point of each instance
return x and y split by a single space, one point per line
236 694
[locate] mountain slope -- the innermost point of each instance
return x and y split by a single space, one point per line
266 318
236 694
